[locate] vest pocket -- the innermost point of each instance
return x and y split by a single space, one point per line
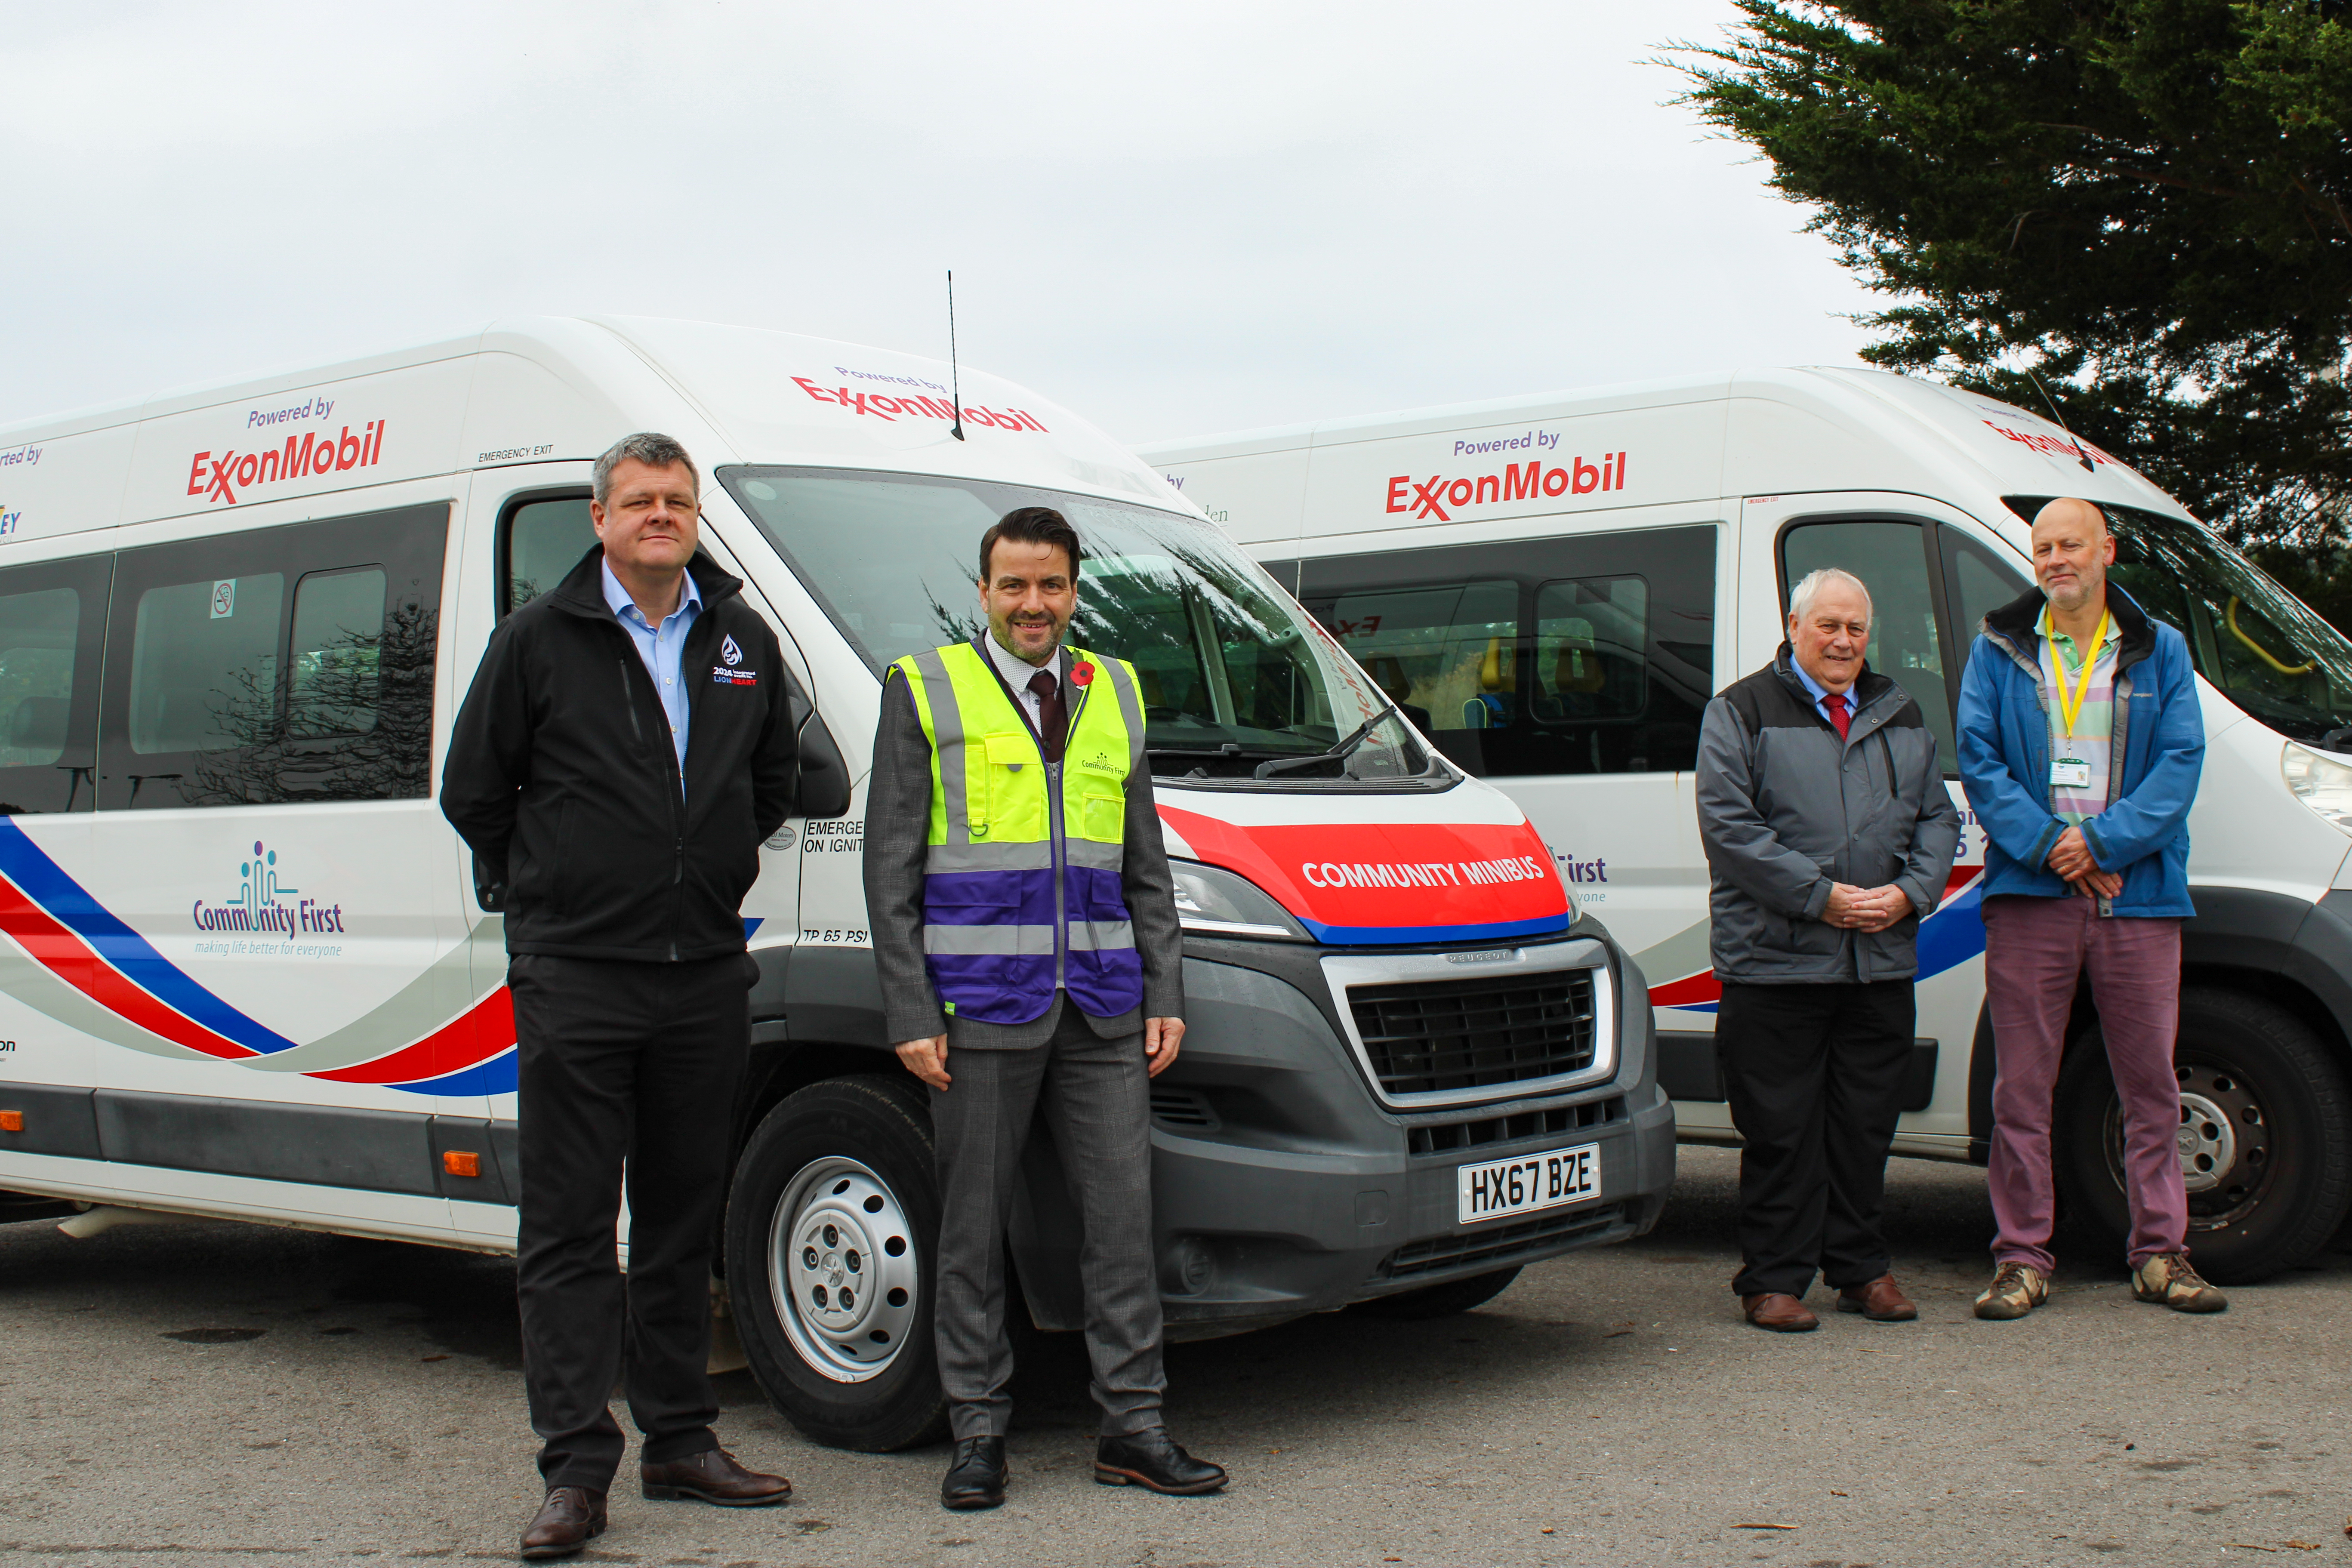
1103 817
1001 801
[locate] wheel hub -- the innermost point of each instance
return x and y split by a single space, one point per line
843 1269
2209 1147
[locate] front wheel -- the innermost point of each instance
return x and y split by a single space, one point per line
831 1230
2265 1137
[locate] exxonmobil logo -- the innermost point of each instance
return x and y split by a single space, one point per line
221 475
883 406
2051 445
1530 480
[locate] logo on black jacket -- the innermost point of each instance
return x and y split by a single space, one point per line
729 673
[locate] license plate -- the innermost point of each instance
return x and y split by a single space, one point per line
1532 1182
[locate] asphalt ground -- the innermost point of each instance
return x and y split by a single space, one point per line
364 1405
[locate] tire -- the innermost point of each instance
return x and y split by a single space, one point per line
1444 1300
840 1174
2266 1144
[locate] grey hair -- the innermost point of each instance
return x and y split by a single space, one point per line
652 449
1801 601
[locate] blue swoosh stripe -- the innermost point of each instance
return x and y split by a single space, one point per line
46 884
497 1076
1363 936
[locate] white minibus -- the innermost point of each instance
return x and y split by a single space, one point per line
1553 586
246 972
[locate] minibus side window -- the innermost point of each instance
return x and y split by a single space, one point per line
1976 584
1891 559
1588 654
276 665
52 631
540 540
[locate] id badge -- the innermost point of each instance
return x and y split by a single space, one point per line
2070 772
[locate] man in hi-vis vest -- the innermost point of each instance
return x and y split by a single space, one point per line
1025 932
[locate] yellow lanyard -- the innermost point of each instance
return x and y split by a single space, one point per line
2071 711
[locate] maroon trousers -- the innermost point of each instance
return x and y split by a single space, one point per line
2035 949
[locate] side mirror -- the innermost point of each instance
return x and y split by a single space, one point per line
489 888
825 775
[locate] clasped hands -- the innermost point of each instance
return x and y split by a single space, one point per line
2071 859
1865 909
928 1059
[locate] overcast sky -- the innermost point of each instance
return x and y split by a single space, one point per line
1174 219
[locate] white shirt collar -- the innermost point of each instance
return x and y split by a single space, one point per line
1017 670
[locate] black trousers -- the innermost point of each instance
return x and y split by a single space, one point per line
641 1063
1814 1074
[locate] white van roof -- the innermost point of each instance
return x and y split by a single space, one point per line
540 390
1779 431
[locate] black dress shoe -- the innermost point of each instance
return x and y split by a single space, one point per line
713 1476
569 1519
976 1477
1153 1460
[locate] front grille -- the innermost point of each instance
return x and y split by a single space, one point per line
1184 1110
1457 1035
1478 1132
1445 1253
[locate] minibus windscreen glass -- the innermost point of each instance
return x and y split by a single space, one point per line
1234 676
2259 645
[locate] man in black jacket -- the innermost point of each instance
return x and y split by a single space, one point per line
619 795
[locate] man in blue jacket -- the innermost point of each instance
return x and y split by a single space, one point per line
2080 741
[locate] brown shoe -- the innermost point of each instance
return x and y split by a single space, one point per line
569 1519
713 1476
1781 1312
1882 1301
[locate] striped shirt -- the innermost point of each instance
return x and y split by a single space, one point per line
2093 740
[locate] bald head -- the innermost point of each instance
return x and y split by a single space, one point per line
2072 552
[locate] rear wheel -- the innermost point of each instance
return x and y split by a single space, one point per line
2265 1137
831 1229
1439 1301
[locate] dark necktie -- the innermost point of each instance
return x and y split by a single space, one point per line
1835 702
1053 721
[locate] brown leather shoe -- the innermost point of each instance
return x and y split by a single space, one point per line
569 1519
713 1476
1781 1312
1882 1301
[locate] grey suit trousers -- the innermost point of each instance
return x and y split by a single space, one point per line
1097 1101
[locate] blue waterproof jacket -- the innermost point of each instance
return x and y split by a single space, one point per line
2159 750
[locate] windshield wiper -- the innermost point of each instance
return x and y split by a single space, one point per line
1340 753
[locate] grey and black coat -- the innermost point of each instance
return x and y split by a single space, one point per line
1787 809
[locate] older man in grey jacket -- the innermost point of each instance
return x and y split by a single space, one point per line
1829 836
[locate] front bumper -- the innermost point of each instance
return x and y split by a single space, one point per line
1280 1186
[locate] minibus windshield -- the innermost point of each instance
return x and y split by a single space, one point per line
1239 687
2259 645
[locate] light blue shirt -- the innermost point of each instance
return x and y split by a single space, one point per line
662 648
1815 689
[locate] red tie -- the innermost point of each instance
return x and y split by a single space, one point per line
1054 723
1835 702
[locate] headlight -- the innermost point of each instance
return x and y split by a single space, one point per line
1215 902
2320 782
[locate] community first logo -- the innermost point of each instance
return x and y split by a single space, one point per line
260 904
731 673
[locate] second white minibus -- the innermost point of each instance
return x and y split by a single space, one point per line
1553 586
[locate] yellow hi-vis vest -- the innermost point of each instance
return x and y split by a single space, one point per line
1021 889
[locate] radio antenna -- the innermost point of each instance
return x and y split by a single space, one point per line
955 375
2080 456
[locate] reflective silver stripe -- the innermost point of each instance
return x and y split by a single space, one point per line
1130 708
1099 936
1037 857
947 742
1011 941
1093 856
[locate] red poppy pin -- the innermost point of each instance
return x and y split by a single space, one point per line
1082 675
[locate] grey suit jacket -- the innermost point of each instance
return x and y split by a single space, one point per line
897 814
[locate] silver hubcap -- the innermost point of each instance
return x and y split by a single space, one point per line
842 1267
2209 1148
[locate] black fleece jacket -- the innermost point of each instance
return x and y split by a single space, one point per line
562 777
